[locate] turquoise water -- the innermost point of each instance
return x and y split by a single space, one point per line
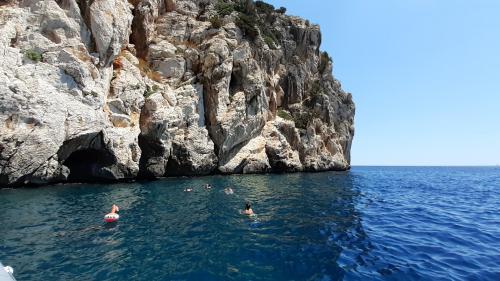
373 223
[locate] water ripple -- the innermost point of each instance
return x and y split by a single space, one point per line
368 224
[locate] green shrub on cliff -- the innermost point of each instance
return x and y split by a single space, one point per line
271 36
252 19
301 120
216 22
33 55
316 89
324 60
283 114
150 90
263 7
281 10
224 8
248 24
269 41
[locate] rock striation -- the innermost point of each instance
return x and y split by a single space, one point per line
116 90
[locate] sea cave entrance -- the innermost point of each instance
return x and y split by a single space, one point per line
89 165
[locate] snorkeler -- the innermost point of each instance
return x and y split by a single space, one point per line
248 209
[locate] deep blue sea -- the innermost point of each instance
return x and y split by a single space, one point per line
372 223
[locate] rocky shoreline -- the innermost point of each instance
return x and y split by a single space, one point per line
120 90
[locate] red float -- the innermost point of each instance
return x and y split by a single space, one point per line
111 217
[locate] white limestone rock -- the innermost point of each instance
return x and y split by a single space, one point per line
111 22
115 89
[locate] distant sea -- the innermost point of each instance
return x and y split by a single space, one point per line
371 223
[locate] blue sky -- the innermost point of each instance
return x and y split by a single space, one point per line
425 76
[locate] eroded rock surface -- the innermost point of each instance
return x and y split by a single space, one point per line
115 89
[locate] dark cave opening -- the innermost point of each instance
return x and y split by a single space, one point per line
89 165
235 84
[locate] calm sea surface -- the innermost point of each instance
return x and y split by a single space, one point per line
372 223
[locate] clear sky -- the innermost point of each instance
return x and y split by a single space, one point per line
424 74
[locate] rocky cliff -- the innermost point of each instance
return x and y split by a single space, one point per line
116 89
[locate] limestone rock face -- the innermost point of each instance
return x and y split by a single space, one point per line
174 138
115 89
110 22
282 146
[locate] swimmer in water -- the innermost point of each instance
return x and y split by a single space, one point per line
208 186
188 190
248 209
228 190
113 216
114 209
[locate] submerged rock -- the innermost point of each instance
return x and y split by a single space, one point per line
115 89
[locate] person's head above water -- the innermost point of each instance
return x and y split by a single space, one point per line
247 206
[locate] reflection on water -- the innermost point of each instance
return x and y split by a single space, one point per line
367 224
